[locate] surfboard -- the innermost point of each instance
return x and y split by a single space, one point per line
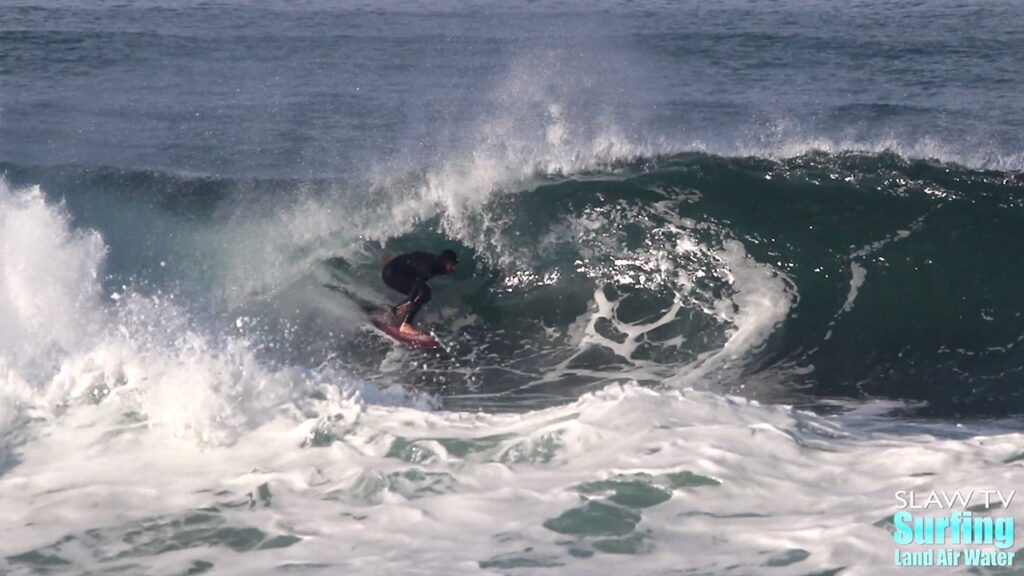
388 323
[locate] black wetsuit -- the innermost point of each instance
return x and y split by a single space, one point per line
408 273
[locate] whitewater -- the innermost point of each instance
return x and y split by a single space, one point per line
732 278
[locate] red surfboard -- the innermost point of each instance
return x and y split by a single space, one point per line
388 323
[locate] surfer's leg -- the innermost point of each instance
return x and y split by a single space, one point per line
401 280
420 295
398 278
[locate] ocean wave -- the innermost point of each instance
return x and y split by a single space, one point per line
768 277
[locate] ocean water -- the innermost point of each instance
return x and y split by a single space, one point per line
731 276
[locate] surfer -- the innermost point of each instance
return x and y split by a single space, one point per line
408 273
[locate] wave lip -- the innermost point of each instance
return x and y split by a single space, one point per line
50 279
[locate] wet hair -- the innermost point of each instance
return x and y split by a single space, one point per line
449 256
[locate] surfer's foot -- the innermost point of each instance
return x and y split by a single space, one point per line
409 329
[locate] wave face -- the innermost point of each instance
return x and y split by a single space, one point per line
827 275
730 276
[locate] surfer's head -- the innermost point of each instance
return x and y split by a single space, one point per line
449 260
